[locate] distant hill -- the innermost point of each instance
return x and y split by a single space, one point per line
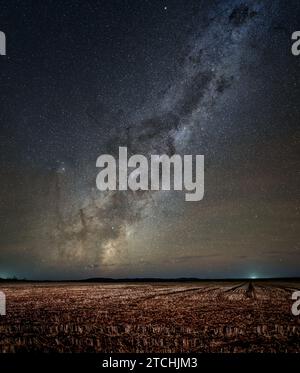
152 279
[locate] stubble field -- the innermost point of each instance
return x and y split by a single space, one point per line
150 317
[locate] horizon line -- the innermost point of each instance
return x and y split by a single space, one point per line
150 279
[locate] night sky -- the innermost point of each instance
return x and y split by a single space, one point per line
82 78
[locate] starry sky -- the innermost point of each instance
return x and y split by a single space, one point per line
82 78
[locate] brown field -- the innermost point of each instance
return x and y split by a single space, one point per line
150 317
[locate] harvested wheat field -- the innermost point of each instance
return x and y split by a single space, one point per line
150 317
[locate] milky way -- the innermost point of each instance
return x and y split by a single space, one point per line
214 78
